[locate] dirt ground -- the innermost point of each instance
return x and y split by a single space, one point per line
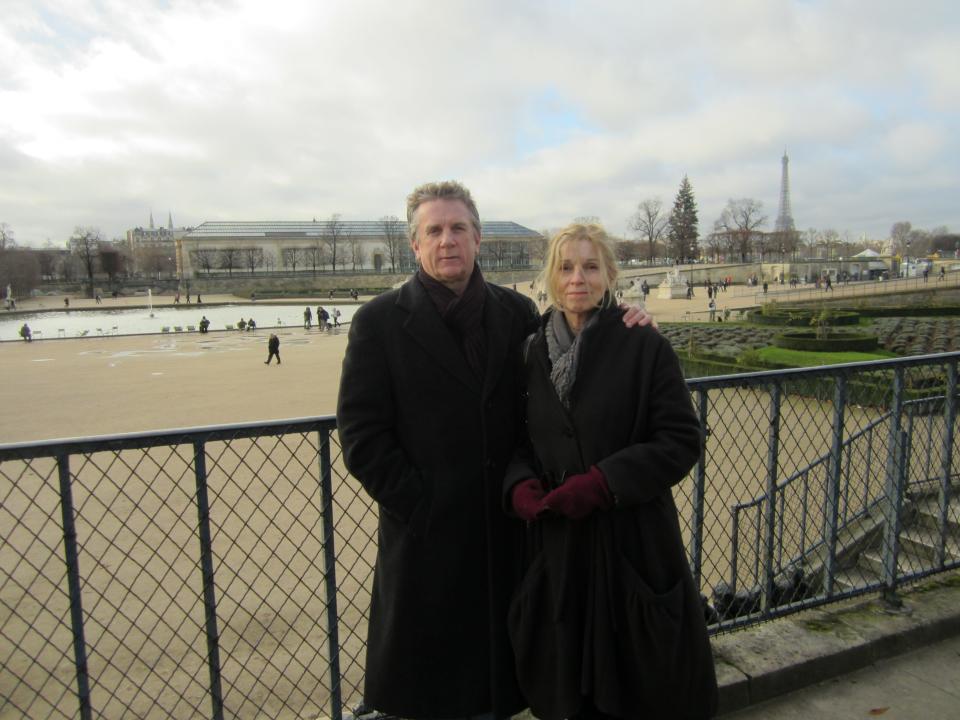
114 384
119 384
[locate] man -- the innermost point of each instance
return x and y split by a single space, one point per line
429 414
273 349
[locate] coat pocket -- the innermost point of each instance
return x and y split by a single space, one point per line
639 644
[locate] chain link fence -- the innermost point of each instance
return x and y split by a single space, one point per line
226 571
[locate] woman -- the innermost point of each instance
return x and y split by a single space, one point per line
607 621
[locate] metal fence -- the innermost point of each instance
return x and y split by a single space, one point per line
226 571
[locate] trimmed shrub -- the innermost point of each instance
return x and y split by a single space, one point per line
800 317
834 342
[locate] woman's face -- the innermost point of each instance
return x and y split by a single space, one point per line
582 279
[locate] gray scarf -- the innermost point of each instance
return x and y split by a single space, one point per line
563 347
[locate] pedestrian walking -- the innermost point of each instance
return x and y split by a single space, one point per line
273 349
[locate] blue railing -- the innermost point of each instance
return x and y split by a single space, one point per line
226 571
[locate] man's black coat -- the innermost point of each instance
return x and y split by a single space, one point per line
430 443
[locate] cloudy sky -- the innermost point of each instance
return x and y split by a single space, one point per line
284 110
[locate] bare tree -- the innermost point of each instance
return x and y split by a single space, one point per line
394 237
311 256
742 219
761 245
828 241
112 261
627 250
20 269
332 237
85 245
269 259
785 242
900 234
48 263
919 242
291 257
651 223
358 255
537 247
204 258
496 251
809 242
229 258
69 267
716 243
6 237
156 261
252 258
945 242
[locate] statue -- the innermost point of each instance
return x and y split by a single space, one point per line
673 285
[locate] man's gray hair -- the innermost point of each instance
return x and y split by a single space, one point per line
445 190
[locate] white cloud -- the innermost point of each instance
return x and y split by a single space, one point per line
247 110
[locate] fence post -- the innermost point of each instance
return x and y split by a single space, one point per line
73 584
773 451
206 569
833 480
946 490
896 458
734 549
699 490
330 573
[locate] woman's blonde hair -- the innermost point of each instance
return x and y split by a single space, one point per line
575 232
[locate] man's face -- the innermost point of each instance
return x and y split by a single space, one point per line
446 243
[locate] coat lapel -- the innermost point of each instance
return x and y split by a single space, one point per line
424 325
496 325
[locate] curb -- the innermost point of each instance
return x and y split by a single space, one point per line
793 652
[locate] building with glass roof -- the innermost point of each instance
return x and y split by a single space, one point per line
222 248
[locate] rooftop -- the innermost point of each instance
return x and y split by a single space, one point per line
321 228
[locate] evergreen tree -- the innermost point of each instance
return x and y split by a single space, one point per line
683 224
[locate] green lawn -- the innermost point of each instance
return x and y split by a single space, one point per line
799 358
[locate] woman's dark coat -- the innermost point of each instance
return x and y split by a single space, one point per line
430 443
608 609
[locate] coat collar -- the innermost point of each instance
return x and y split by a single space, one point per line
428 330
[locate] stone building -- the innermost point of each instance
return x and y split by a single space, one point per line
252 248
153 249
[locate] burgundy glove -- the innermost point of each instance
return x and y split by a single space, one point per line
527 499
580 495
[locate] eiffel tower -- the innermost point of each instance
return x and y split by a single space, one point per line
785 215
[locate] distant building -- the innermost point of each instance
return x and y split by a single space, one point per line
153 247
222 248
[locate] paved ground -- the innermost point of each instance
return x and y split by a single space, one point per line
99 385
853 660
924 683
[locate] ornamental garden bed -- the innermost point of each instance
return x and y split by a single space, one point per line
801 317
832 342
